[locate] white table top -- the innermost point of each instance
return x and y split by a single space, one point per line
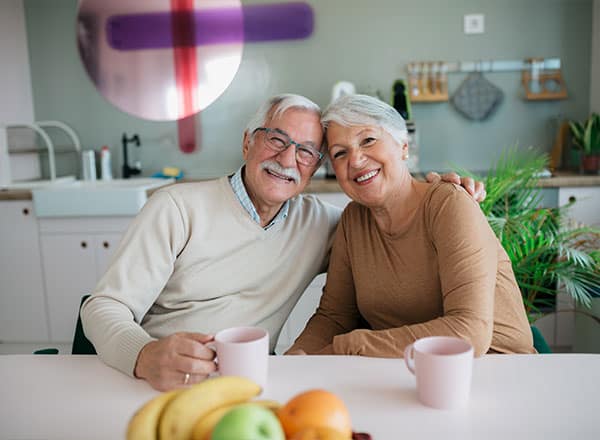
513 396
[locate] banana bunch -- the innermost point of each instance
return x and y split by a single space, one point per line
192 413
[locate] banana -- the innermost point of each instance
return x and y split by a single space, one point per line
144 423
180 415
204 425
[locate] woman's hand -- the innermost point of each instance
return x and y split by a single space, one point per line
296 352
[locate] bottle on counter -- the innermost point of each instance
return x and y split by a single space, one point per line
88 165
105 163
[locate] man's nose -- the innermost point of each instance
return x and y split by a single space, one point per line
287 158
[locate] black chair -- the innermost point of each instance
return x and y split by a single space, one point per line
81 344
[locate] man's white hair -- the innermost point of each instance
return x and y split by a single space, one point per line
277 106
354 110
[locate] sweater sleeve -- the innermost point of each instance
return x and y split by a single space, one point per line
141 267
337 312
467 257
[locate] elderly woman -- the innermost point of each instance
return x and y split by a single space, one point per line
410 259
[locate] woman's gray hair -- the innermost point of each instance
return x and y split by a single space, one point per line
353 110
277 106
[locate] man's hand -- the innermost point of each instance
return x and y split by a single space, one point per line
473 187
167 362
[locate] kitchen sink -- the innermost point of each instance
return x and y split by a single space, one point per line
118 197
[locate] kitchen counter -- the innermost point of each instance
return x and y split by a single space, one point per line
321 185
27 194
559 179
15 194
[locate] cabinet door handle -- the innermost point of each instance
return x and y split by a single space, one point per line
572 199
84 244
106 245
25 211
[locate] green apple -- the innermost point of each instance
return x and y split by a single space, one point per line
248 422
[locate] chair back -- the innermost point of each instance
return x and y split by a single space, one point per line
81 344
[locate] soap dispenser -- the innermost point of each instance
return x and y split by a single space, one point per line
105 163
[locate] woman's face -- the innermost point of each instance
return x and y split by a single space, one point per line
368 162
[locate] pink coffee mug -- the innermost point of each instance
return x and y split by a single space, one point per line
443 367
243 351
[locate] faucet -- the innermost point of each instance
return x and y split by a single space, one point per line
43 135
127 170
70 132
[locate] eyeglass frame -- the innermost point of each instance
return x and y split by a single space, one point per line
291 142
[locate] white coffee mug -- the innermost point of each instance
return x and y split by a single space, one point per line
443 368
243 351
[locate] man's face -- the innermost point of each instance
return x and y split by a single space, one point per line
266 182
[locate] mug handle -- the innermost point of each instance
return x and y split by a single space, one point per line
409 358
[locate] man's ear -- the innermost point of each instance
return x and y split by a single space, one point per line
246 144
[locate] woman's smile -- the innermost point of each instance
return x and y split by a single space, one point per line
366 178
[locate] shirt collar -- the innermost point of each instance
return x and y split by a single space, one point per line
237 184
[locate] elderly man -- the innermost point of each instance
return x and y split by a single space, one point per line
200 257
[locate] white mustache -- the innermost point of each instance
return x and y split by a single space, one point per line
273 166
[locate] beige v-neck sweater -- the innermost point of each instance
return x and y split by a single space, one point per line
444 274
194 260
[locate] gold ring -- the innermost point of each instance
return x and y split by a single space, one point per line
186 378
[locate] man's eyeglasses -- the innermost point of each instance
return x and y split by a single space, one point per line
279 141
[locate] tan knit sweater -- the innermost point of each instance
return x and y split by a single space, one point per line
444 274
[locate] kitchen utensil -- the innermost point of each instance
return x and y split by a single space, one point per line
477 98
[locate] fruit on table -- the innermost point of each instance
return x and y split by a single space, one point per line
315 408
181 413
319 433
144 422
205 425
248 421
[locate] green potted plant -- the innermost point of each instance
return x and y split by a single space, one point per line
586 137
545 248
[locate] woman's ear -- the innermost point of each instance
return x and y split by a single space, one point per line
405 151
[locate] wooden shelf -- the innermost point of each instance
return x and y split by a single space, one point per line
545 94
432 97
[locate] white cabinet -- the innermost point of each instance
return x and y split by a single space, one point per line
22 301
576 329
587 203
562 330
75 254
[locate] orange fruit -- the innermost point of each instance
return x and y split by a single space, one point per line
319 433
315 409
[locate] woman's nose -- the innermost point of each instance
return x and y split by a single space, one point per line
356 158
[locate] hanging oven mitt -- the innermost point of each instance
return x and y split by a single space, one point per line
477 98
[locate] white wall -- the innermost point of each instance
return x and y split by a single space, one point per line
595 73
16 104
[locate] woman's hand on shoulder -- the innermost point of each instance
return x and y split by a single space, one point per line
474 187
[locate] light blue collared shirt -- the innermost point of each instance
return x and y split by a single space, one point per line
237 184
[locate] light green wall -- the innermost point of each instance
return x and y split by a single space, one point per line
366 42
